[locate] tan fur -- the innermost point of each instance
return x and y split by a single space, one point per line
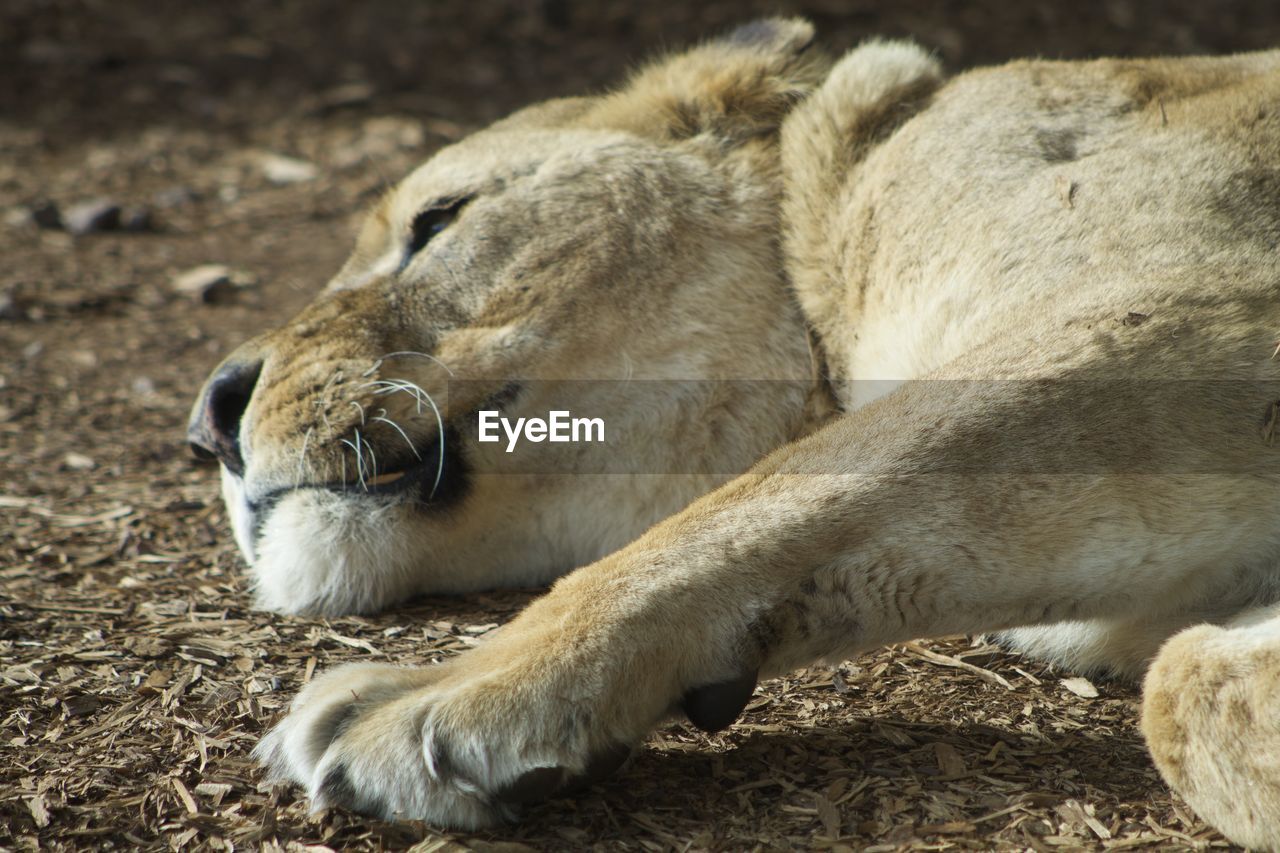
1047 298
1210 717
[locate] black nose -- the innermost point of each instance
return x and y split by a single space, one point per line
214 431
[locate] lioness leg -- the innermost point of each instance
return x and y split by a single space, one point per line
1211 716
1124 647
944 507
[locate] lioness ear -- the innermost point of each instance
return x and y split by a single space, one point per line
738 86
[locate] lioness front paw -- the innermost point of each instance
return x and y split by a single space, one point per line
436 745
1211 718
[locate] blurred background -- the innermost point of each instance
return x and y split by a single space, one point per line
89 64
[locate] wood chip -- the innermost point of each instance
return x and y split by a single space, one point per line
1080 686
950 764
214 791
39 809
946 660
828 816
183 794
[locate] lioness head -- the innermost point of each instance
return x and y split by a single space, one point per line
591 254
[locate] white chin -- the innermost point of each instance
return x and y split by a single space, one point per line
328 554
321 553
241 515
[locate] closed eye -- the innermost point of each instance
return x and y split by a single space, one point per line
429 223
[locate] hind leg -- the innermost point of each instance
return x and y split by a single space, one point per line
1116 647
1110 647
1123 645
1211 717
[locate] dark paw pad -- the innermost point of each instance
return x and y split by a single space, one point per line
715 706
538 784
337 790
601 766
606 762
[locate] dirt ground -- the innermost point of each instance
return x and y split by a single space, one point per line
141 140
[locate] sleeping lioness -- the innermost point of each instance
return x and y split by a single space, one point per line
883 354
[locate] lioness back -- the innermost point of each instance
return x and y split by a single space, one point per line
1103 188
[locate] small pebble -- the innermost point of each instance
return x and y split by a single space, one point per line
88 217
208 283
346 95
46 215
136 219
379 138
9 307
78 462
282 170
18 217
174 197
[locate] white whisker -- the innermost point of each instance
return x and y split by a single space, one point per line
302 457
363 471
391 386
395 426
416 355
360 409
355 448
440 434
373 460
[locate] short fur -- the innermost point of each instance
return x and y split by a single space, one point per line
1048 296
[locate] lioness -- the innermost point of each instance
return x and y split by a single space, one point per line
1062 277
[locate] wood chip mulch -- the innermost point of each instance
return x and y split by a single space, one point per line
135 679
